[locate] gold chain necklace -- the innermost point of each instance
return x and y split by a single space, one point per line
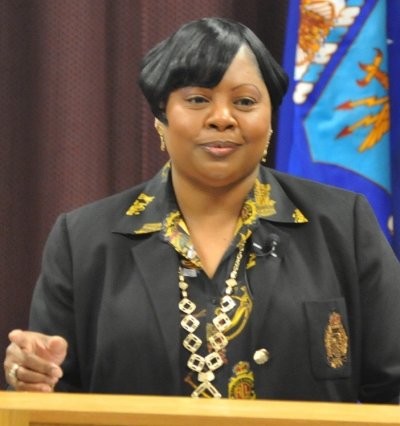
205 366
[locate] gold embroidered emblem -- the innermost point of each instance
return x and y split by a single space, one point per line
251 261
177 234
248 213
265 205
244 236
171 224
140 204
149 227
241 385
299 217
241 315
336 341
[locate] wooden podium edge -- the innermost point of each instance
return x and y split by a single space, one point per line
38 409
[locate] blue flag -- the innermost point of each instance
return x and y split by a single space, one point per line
334 124
393 17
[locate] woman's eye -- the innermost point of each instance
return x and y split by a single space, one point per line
245 102
196 99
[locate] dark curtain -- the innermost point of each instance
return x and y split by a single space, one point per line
73 125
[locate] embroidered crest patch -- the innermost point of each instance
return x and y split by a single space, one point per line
336 341
241 384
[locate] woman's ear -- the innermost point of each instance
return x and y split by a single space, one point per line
162 116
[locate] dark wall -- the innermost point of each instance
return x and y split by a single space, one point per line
73 125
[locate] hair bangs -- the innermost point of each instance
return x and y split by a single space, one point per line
199 54
203 64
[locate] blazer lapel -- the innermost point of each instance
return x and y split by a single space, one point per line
158 265
264 277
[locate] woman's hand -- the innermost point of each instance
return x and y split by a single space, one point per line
33 360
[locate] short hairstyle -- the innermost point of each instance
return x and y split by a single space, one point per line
198 54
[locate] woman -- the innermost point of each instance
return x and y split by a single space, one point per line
218 277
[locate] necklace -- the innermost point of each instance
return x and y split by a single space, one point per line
205 366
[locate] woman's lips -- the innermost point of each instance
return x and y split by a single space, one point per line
220 148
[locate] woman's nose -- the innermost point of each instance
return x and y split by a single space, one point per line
220 117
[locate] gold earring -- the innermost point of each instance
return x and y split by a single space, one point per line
160 132
264 157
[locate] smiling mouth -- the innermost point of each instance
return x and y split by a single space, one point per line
220 148
220 144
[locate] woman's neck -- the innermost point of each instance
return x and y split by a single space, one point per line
195 200
211 215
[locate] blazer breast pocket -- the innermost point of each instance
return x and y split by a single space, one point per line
328 336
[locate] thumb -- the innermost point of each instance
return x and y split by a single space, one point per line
57 349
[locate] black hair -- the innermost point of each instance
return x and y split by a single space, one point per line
198 54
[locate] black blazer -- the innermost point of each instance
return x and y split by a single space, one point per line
113 295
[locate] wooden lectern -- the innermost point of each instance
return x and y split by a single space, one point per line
38 409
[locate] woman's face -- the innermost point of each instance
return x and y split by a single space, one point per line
216 137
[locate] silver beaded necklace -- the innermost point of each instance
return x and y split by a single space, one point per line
206 366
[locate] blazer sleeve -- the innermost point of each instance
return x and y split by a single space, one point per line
52 307
379 278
